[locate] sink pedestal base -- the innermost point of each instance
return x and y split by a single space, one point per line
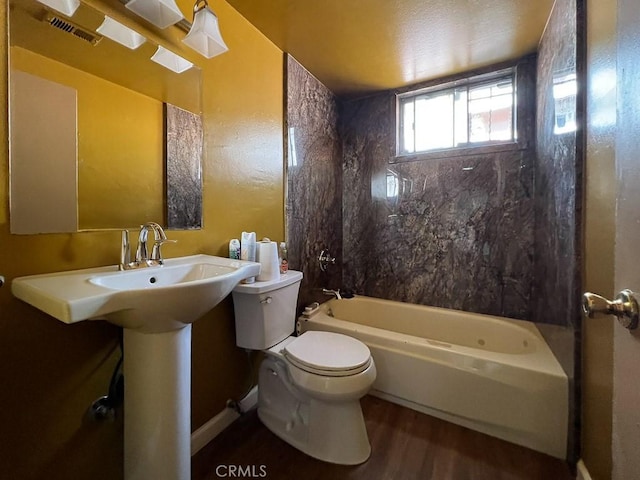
157 405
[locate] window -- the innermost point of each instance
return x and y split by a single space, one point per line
477 112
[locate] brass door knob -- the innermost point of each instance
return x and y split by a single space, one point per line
624 307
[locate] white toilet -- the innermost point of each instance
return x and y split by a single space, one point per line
309 387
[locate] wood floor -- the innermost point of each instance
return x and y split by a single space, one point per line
406 445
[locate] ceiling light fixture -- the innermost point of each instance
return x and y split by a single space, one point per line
162 13
170 60
66 7
204 36
117 32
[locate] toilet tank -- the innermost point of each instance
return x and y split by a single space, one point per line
266 311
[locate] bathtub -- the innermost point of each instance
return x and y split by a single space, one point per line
490 374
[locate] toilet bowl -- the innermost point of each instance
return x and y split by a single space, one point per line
309 387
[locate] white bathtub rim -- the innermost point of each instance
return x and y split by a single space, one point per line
540 361
525 327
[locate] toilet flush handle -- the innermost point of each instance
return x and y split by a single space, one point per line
266 300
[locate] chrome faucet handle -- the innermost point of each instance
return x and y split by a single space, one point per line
158 231
142 253
125 251
159 238
325 259
336 293
156 253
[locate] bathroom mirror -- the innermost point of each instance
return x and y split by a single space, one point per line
110 173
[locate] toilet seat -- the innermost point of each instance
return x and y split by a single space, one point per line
328 354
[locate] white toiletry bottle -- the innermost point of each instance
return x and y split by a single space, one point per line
234 249
248 251
284 259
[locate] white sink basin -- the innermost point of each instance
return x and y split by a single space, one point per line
149 300
160 277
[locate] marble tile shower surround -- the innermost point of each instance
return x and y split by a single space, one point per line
558 184
314 181
558 193
450 232
459 232
184 140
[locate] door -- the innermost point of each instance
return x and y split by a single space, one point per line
626 356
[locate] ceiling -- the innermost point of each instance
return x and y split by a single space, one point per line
360 46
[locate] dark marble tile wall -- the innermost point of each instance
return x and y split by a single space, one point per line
314 181
557 174
454 232
558 193
184 142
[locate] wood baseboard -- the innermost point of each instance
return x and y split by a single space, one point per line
583 473
212 429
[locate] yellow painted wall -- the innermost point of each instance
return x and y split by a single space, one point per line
119 146
51 372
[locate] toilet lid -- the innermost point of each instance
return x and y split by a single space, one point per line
327 353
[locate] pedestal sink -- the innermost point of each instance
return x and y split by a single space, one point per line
156 307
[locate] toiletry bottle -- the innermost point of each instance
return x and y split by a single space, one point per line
248 251
284 262
234 249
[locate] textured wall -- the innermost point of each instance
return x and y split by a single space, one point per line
558 185
456 232
314 181
183 155
492 233
479 233
558 194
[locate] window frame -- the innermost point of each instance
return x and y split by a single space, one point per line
467 80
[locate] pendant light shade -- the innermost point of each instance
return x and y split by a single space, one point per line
162 13
66 7
170 60
117 32
204 36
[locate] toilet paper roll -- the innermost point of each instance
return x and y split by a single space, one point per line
267 256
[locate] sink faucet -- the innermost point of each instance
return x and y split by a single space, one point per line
142 252
335 293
